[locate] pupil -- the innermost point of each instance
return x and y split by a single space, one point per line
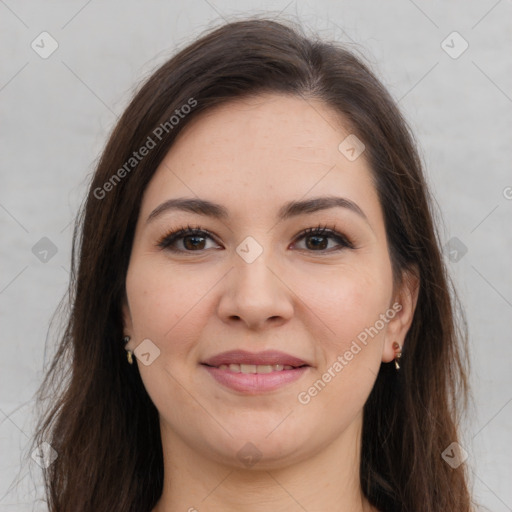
321 245
193 245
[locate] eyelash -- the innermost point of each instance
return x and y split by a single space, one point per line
324 231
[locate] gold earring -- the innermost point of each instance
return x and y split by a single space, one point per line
129 353
398 354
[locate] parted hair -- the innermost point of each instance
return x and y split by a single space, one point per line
101 421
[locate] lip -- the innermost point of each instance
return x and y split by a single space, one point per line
267 357
255 383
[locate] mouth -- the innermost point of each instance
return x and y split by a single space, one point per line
247 362
256 368
255 373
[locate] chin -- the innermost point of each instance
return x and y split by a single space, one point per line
262 448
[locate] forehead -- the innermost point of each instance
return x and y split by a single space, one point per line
256 153
281 127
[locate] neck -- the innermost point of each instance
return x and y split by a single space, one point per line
328 481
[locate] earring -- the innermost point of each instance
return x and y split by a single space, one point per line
129 353
398 354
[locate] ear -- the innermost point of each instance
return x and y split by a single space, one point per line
404 304
127 323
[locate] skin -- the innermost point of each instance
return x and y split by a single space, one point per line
252 156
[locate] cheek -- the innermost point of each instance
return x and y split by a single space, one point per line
164 303
164 306
349 300
350 354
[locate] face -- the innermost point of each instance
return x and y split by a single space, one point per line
257 332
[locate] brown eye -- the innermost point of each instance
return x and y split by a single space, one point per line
186 240
193 242
317 240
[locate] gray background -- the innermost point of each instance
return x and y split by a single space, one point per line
57 112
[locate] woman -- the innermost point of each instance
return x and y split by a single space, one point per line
258 242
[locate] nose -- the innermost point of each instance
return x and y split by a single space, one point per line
255 294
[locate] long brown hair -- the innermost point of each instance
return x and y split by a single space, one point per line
102 423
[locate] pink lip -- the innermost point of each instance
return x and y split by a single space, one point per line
270 357
255 383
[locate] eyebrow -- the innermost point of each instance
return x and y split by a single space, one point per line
290 209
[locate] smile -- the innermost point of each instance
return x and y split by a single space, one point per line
255 373
255 368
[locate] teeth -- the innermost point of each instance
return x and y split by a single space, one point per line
255 368
263 368
248 368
